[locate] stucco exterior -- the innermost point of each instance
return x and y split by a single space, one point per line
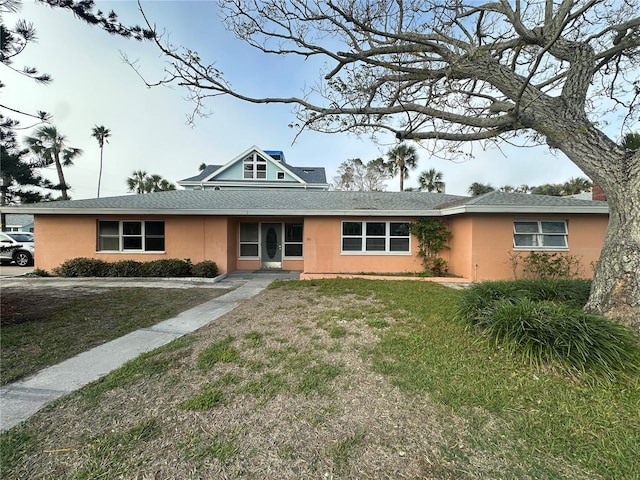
482 244
480 248
317 232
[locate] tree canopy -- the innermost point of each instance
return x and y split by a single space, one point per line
356 175
449 72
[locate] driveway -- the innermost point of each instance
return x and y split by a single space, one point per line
14 271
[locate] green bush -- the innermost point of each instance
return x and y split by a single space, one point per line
481 295
125 268
82 267
545 333
206 269
170 267
542 321
39 272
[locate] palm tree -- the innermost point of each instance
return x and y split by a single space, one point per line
431 181
155 183
51 148
101 134
576 185
402 159
477 188
138 181
631 141
141 182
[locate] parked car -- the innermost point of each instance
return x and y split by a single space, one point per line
17 247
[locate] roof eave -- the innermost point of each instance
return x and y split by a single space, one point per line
254 212
533 209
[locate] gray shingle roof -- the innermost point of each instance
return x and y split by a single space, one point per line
308 174
209 169
285 202
307 202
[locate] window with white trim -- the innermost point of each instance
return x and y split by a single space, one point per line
249 240
375 237
254 166
130 236
540 235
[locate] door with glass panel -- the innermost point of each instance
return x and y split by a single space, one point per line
271 246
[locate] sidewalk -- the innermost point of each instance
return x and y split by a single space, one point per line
20 400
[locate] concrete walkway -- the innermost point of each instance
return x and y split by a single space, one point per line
20 400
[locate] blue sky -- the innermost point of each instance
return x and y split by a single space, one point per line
93 86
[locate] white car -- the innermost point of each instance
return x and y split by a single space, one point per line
22 252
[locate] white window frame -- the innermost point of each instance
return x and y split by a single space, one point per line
253 174
538 237
363 236
121 236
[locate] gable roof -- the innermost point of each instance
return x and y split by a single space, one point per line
302 174
311 203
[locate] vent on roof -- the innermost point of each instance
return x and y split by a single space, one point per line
216 188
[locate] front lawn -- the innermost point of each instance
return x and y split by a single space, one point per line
44 326
335 379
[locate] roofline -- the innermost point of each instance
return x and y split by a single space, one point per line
236 212
268 158
252 185
535 209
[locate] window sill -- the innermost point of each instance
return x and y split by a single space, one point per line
376 253
128 252
541 249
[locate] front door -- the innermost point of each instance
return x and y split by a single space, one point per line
271 249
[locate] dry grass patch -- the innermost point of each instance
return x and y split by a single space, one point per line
279 395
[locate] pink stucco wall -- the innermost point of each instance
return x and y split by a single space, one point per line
480 246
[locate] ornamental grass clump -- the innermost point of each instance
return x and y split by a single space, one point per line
542 322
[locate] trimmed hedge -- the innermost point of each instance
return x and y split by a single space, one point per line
91 267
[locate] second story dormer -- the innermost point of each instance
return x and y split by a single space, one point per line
256 168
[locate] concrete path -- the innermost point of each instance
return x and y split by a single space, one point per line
20 400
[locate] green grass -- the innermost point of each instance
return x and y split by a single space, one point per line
153 364
341 452
199 449
206 400
86 322
219 351
529 422
110 451
596 427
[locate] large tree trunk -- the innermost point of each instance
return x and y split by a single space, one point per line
616 286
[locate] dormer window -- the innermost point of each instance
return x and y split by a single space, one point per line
254 167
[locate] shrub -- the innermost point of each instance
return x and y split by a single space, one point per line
542 321
39 272
546 265
561 336
171 267
206 269
82 267
125 268
481 295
